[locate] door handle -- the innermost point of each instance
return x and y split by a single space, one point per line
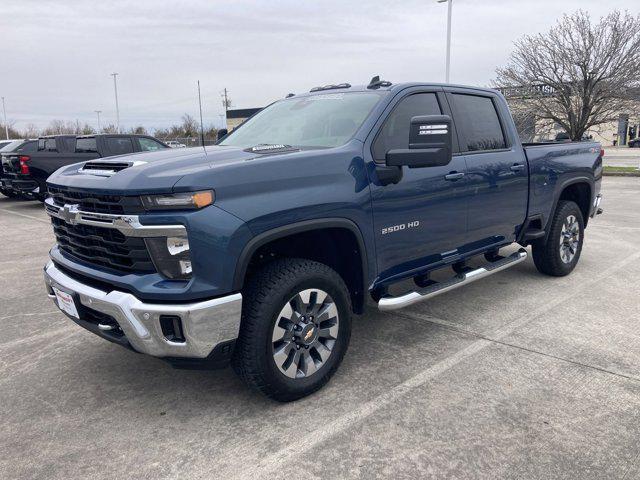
453 176
516 167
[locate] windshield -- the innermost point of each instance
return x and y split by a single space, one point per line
326 120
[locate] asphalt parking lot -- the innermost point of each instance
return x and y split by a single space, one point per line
516 376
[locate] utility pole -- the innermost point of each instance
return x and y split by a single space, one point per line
6 125
98 112
77 126
115 89
201 124
449 11
226 103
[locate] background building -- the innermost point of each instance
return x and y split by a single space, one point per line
239 115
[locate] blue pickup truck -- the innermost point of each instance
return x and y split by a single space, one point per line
259 250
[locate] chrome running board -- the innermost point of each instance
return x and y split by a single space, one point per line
388 303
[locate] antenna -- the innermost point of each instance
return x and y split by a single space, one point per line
201 125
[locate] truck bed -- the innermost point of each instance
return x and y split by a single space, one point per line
554 165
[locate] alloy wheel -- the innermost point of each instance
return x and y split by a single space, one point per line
569 239
305 333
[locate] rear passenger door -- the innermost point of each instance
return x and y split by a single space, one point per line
497 174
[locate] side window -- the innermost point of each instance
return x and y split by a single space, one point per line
119 145
47 145
28 147
149 145
86 145
478 123
395 131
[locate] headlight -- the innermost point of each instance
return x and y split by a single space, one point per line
171 256
178 201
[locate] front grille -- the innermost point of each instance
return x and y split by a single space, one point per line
105 247
89 202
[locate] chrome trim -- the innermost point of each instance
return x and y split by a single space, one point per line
387 304
107 172
205 324
129 225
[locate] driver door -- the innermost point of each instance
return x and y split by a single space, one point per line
422 219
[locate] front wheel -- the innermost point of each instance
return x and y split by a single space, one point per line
296 324
559 254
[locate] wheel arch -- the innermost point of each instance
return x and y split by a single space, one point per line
301 235
579 190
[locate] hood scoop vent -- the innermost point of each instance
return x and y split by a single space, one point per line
106 168
271 148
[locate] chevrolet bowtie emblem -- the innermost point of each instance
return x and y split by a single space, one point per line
68 213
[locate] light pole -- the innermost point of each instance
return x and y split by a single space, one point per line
450 7
115 89
6 125
98 112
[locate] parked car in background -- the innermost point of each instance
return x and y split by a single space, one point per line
634 143
4 143
19 147
175 144
26 174
258 250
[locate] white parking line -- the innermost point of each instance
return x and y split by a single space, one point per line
25 216
275 462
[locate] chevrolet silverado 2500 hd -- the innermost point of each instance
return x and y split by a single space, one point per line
258 250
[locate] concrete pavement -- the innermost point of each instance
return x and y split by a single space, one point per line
515 376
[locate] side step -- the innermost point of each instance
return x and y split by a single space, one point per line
394 303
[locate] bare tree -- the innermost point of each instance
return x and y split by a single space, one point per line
579 74
139 130
111 128
58 127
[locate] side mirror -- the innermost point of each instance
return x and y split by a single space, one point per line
429 144
222 133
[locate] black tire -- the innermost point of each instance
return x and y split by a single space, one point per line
8 193
267 292
548 255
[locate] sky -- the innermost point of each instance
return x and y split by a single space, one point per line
56 57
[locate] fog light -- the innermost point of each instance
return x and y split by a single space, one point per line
177 245
185 267
170 255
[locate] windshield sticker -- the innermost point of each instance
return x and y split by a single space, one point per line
326 96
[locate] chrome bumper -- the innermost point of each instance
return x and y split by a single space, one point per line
204 324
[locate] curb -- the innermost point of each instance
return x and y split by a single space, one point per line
621 174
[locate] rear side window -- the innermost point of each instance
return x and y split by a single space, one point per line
478 123
28 147
395 131
47 145
86 145
149 145
119 146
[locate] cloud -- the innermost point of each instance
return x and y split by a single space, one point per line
56 57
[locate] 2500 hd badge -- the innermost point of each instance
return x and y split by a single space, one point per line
402 226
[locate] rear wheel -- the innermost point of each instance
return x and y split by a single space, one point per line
8 193
296 324
559 255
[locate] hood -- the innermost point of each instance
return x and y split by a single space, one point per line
146 172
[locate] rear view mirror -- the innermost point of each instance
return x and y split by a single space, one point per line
221 133
429 144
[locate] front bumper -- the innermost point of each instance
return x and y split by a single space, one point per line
207 326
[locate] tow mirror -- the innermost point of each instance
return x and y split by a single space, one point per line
222 133
429 144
